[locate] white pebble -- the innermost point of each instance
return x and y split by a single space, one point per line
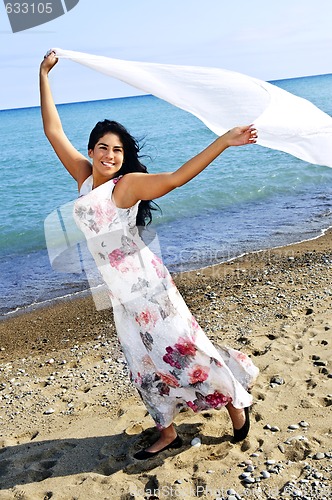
49 411
265 474
196 442
249 480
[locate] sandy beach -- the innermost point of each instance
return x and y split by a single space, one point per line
70 420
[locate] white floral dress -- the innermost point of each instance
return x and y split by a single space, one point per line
172 363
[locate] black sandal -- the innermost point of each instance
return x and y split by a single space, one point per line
241 434
144 455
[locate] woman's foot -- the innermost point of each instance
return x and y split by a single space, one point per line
168 439
241 422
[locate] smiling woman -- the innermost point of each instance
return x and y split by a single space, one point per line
172 363
107 158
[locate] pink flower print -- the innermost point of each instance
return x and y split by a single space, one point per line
116 257
194 325
180 356
243 358
168 379
171 358
198 374
99 215
192 405
138 379
145 318
110 211
185 347
159 267
217 399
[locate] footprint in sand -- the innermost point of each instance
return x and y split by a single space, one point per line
134 429
30 463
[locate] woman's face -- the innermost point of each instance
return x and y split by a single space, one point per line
107 157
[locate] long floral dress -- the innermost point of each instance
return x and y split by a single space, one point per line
172 363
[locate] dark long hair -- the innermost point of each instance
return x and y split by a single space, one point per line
130 164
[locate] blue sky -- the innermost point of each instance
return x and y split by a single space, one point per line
267 40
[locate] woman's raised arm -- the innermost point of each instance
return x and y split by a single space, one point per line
77 165
136 186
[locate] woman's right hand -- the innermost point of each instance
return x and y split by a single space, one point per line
49 61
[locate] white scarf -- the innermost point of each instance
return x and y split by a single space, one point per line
223 99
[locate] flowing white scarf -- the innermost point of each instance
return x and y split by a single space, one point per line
223 99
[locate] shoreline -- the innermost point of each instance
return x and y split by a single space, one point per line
71 420
27 309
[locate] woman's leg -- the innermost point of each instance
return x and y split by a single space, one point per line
241 422
237 416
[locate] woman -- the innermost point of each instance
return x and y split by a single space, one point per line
172 363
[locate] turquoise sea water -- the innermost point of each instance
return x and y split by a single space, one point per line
249 199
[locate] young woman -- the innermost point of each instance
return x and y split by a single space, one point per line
172 363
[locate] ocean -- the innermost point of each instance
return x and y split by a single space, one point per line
249 199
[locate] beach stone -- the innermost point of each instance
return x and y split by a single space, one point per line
293 427
49 411
196 442
265 474
277 380
319 456
303 423
249 480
